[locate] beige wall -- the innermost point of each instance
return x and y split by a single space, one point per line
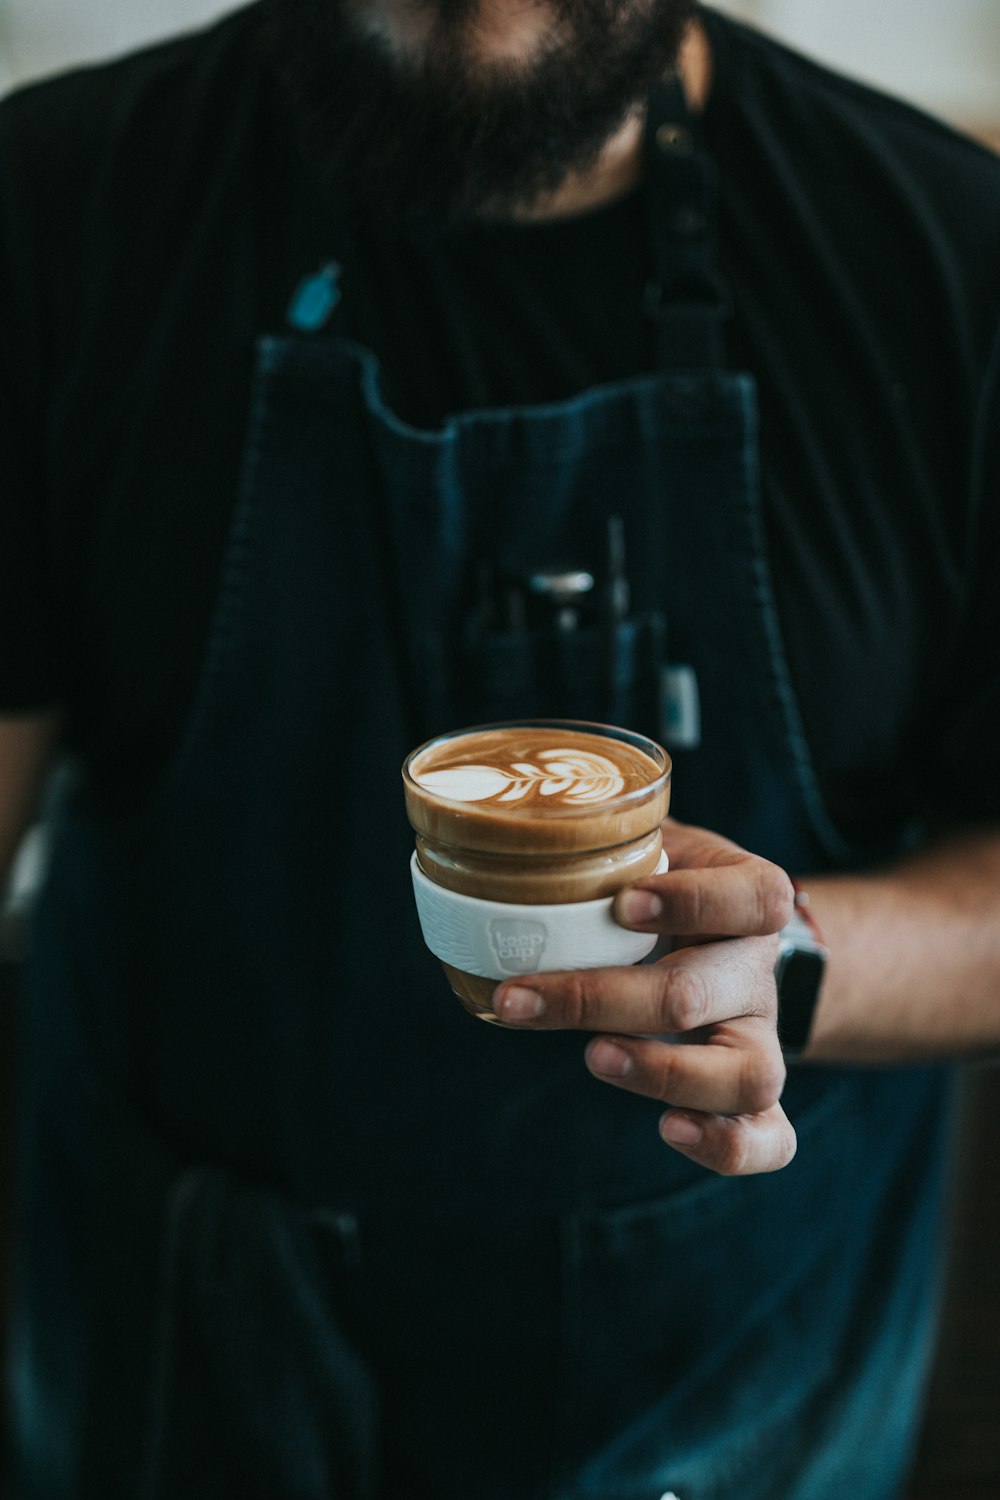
943 54
40 36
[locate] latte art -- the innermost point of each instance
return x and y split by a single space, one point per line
516 822
574 777
533 790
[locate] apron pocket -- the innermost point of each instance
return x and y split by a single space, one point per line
588 673
256 1390
694 1348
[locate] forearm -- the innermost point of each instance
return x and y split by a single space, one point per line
914 969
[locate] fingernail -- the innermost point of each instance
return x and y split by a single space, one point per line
609 1060
639 906
681 1130
517 1004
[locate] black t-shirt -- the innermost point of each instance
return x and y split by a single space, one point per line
156 214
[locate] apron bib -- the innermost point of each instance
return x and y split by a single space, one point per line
295 1225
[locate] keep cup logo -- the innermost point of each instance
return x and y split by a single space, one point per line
518 944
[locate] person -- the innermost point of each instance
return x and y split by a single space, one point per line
327 332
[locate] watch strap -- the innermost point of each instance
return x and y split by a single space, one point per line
799 974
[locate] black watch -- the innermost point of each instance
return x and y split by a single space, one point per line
798 973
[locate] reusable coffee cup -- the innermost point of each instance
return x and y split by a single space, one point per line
524 832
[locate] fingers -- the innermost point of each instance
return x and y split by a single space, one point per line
739 1072
743 898
732 1146
689 989
713 887
723 1075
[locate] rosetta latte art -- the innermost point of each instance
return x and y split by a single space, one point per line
575 777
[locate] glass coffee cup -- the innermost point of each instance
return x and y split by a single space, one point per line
524 832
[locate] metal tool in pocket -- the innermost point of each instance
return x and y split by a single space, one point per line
561 641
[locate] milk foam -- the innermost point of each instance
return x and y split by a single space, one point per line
574 777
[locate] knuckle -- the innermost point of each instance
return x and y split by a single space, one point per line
775 899
668 1076
739 1150
693 916
762 1081
578 1002
758 990
683 1000
788 1146
732 1155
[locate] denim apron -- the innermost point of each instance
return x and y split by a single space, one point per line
293 1225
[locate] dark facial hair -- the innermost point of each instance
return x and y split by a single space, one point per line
441 138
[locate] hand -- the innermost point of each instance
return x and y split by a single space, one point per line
713 996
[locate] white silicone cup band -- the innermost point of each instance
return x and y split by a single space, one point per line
495 940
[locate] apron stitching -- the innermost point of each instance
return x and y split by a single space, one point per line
796 740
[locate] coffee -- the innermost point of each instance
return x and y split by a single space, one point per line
533 814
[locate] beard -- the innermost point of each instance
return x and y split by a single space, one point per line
443 135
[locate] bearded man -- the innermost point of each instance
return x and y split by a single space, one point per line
336 339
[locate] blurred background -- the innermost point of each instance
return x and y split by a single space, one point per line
946 58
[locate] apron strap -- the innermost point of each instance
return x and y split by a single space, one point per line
687 300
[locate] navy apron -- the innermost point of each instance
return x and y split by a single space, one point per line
293 1225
